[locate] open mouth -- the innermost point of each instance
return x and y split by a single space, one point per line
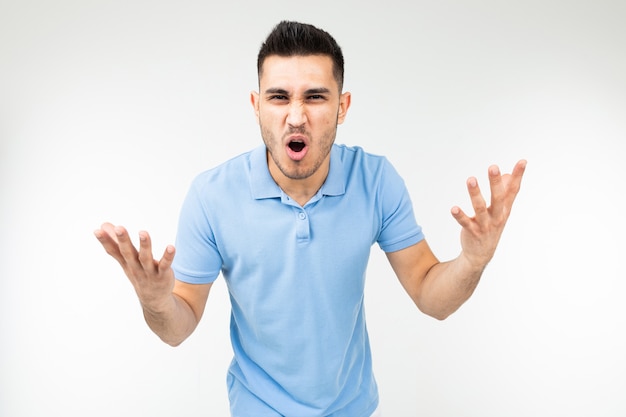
296 146
297 149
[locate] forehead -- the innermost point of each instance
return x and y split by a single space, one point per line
293 71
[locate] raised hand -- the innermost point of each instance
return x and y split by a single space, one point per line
153 280
480 234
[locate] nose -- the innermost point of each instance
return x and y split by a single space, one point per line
296 115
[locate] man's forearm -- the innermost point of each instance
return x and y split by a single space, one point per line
173 323
447 285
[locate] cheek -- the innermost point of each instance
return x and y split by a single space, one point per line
330 120
271 117
323 117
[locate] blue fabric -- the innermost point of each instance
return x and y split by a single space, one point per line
296 277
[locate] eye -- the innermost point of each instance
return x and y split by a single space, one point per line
316 97
277 97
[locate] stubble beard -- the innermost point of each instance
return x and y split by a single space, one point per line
300 171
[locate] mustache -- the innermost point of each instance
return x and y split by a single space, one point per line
296 129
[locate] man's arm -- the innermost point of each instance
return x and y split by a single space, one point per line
171 308
440 288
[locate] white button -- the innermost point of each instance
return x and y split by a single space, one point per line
302 215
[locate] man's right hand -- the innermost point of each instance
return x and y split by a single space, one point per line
153 280
172 308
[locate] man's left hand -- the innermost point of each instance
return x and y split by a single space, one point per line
480 234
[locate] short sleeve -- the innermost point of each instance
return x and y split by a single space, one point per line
399 228
197 259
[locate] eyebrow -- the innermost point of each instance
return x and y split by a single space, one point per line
321 90
280 91
283 92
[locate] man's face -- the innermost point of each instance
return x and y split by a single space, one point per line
298 108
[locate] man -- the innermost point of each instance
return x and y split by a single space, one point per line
290 226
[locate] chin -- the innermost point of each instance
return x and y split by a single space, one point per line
295 171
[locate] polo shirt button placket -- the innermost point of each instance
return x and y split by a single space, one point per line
303 232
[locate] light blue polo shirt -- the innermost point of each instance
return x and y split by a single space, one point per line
296 277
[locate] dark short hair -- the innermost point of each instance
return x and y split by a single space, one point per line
300 39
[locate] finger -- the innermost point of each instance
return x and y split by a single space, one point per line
145 252
512 182
463 219
110 245
168 257
478 202
498 192
127 249
518 174
519 169
109 229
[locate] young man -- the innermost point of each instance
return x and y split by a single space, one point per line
290 226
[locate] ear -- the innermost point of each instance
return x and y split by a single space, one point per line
344 104
254 100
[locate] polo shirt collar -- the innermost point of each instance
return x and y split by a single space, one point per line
261 182
264 186
335 183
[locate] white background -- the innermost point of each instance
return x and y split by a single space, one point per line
108 109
